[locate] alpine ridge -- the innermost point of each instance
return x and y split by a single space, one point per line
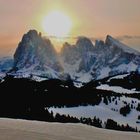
81 62
85 61
36 55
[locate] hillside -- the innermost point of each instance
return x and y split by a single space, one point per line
33 130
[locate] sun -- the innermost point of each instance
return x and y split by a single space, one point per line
57 24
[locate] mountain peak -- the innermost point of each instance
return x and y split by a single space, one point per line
30 35
83 61
99 43
31 53
66 45
84 41
32 32
110 41
84 44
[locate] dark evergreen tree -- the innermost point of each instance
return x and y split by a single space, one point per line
138 107
125 110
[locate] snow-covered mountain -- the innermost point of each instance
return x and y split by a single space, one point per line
85 61
82 62
110 69
36 55
6 63
78 59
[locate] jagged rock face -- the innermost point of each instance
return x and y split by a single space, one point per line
80 52
82 62
104 59
84 45
70 53
37 52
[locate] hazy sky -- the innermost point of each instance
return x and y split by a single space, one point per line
91 18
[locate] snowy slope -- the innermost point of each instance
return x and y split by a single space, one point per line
124 83
35 130
104 112
117 89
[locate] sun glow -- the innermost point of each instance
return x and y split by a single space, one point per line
57 24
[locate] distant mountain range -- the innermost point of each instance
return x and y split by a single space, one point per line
100 79
36 58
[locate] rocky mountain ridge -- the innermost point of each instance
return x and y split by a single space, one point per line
82 62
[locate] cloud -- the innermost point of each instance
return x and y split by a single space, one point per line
124 37
75 38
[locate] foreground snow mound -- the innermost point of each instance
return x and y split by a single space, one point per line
33 130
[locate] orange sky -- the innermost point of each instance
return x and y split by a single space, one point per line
91 18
